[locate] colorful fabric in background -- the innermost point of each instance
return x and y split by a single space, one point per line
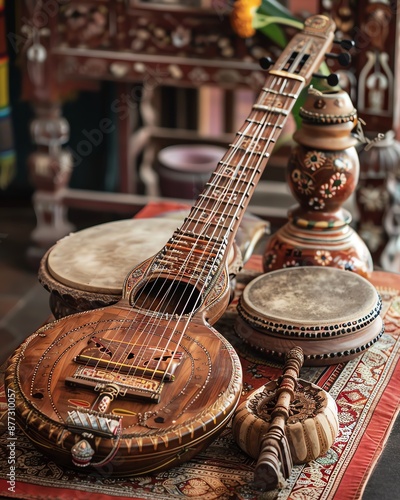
7 153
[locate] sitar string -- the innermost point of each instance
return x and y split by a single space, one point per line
292 95
285 81
228 187
261 128
199 207
294 63
233 151
161 303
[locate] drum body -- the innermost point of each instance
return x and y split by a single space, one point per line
333 315
311 428
87 269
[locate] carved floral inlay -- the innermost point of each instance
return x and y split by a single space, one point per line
85 24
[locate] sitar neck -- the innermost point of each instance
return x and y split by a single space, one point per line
212 223
222 203
209 229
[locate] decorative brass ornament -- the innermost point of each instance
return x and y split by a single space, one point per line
82 453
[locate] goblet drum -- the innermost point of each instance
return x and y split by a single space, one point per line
322 174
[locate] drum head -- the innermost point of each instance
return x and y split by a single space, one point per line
308 296
333 315
99 258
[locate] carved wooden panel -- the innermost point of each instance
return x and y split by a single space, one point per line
173 43
370 80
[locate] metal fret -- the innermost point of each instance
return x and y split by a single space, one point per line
219 214
226 164
221 176
240 189
220 221
271 109
258 153
228 196
268 124
243 169
237 192
276 92
239 183
248 136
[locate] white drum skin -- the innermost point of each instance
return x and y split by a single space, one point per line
87 269
333 315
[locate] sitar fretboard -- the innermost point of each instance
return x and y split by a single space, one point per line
214 219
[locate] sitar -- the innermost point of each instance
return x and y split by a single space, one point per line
147 383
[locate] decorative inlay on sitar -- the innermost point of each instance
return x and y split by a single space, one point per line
146 383
86 269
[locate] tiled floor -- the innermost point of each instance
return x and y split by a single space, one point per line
24 307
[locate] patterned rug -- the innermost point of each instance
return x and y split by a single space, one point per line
367 393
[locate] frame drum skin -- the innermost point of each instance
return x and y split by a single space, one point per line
333 315
86 270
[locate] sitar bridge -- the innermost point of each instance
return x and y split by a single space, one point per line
124 358
127 386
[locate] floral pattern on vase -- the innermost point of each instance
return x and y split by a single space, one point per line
322 173
322 180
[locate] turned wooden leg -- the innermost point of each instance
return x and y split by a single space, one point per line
50 169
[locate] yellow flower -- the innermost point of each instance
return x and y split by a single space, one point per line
242 17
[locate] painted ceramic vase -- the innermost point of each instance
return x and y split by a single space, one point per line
322 173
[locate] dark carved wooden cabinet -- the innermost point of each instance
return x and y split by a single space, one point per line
73 45
371 82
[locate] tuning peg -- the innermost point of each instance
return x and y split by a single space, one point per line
331 79
266 62
344 59
345 44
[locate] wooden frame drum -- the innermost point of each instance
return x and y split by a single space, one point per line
333 315
87 269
